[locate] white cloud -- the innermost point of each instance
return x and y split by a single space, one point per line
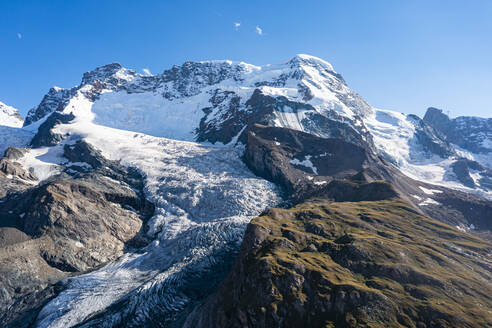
236 26
146 71
259 30
19 36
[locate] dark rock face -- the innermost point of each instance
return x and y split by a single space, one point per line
303 163
55 100
364 264
13 153
438 120
66 225
83 152
45 137
431 140
457 208
463 168
102 74
230 118
467 132
13 177
189 78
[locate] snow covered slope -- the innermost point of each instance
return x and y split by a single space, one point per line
204 197
10 132
203 193
9 116
424 154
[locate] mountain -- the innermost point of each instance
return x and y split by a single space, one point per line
472 137
217 101
472 134
10 132
9 116
125 199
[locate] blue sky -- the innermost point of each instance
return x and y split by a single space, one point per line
400 55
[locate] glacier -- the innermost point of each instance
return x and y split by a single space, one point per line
204 197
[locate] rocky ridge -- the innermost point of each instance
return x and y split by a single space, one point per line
345 264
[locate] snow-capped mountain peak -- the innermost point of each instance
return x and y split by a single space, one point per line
308 60
9 116
213 100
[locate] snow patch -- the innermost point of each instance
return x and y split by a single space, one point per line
429 201
430 191
305 162
43 162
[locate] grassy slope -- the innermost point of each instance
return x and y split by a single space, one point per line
358 264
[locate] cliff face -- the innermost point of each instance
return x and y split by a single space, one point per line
364 264
473 134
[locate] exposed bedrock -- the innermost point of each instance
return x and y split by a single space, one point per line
63 226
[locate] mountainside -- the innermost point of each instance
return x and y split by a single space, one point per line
124 200
10 132
473 134
9 116
217 101
363 264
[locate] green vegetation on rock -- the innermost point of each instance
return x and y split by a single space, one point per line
354 264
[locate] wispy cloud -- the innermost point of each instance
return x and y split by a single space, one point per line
259 31
19 36
236 26
146 71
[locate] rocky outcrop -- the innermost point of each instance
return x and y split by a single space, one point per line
228 118
45 137
64 226
471 133
364 264
55 100
9 168
463 169
303 163
431 140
